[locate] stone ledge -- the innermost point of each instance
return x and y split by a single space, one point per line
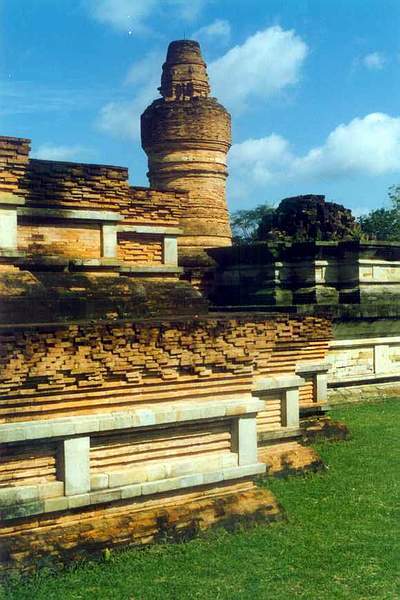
8 199
156 414
303 369
282 382
364 379
78 264
28 493
48 505
57 213
158 470
149 230
154 270
364 342
11 253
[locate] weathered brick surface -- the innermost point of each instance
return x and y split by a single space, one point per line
180 516
59 370
14 157
154 207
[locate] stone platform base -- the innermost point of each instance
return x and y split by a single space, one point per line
27 544
290 458
369 392
316 429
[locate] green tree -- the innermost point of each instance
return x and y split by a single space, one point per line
245 223
384 223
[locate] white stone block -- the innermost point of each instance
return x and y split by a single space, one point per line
191 480
213 477
382 362
109 241
52 489
155 472
75 465
55 504
78 501
105 496
99 481
26 493
170 251
244 439
321 387
157 487
131 491
290 406
8 228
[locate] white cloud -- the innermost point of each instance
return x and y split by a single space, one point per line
374 61
132 16
53 152
219 30
264 64
123 15
367 146
122 118
188 10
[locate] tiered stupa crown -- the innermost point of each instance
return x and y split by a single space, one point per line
184 73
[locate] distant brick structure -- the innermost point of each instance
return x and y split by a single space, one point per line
186 135
308 218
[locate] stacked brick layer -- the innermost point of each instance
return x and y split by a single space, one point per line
77 369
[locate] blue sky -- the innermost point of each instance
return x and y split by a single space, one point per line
313 87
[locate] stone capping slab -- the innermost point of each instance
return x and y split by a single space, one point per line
378 262
152 415
280 382
160 470
27 493
364 379
309 368
149 229
95 262
364 342
151 269
11 253
58 213
46 505
8 199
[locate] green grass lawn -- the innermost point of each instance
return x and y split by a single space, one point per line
341 540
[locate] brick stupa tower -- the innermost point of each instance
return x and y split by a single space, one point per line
186 135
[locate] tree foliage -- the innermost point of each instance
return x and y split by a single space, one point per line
384 223
245 223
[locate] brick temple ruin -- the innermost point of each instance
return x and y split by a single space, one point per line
131 411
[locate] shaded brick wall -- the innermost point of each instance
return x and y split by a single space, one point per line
61 238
